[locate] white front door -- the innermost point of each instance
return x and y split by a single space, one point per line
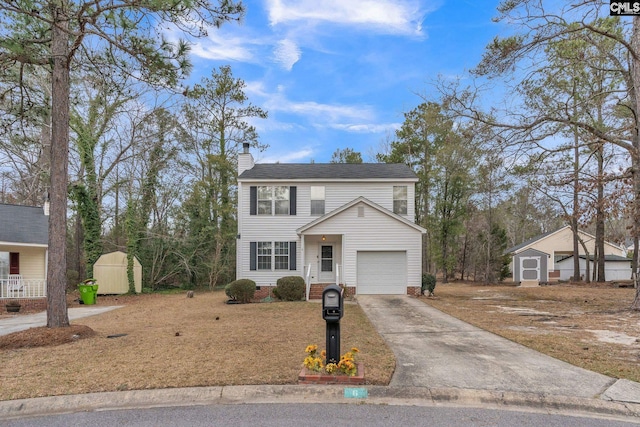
325 267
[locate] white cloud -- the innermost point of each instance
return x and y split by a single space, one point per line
289 157
223 48
367 128
388 16
326 112
287 53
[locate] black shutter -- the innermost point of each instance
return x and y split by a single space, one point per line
292 200
253 200
253 258
292 255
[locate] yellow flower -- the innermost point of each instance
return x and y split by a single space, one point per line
311 348
354 350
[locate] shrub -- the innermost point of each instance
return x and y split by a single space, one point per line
290 288
428 283
241 290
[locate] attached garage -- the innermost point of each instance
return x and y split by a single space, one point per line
382 272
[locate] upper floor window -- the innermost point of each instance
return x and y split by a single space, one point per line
265 200
317 200
273 200
281 200
400 199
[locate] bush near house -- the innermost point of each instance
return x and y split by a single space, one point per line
290 288
428 283
241 290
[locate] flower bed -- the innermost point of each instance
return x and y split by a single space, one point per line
315 371
312 377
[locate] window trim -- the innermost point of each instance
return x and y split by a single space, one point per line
398 208
255 200
312 199
258 250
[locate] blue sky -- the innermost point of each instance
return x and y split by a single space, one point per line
341 73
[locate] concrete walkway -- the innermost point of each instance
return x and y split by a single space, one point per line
436 350
20 322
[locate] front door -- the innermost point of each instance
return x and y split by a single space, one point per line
327 273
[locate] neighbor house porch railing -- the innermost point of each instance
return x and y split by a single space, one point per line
17 287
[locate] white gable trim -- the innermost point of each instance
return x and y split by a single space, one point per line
352 203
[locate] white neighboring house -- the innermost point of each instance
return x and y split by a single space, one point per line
351 224
24 240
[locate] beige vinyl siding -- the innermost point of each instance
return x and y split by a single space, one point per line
32 261
561 242
110 272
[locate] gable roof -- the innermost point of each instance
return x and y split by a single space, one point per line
23 225
518 248
524 244
352 203
329 171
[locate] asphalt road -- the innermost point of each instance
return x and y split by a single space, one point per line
289 415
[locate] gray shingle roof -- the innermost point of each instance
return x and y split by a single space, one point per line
329 171
23 224
528 242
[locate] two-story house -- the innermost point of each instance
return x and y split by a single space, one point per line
351 224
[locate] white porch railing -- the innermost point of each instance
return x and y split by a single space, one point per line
337 274
22 288
307 279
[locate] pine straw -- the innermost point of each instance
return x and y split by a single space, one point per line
174 341
579 324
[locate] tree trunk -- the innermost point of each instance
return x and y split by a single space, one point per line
57 264
635 154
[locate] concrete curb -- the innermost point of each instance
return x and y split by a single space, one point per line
379 395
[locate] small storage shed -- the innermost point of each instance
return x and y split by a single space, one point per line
110 271
615 267
531 267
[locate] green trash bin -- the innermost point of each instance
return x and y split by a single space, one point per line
88 293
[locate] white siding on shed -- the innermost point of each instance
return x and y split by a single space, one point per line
382 273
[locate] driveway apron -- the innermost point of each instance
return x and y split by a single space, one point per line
435 350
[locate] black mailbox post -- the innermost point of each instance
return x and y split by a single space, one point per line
332 311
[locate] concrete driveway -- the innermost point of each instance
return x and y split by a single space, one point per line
436 350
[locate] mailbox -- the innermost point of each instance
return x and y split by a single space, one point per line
332 303
332 310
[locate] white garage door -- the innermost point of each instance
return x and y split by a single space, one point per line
382 273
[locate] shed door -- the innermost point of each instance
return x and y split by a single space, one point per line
530 268
382 273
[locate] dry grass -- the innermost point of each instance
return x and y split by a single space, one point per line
589 326
174 341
